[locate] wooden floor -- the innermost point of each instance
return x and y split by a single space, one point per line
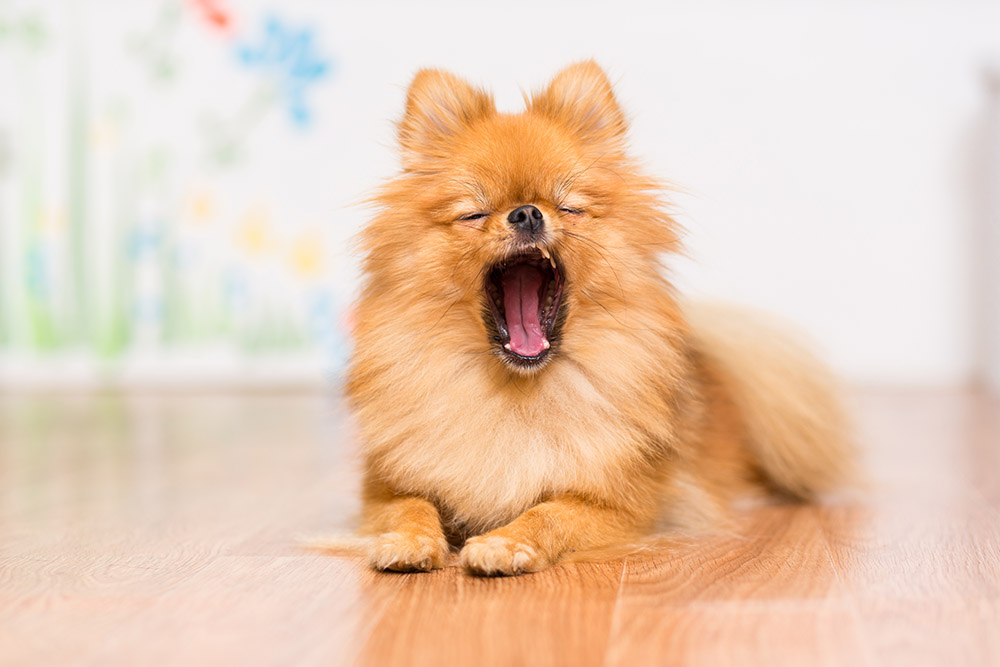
145 529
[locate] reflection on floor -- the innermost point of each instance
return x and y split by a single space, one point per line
162 529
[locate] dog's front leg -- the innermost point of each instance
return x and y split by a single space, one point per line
407 530
537 538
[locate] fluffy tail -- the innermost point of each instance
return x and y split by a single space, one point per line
788 401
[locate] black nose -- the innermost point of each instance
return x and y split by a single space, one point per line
528 219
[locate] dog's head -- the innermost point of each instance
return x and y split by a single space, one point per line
508 229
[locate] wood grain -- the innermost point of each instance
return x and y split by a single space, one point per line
164 529
555 617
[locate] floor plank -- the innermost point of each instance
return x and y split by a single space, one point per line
732 599
561 616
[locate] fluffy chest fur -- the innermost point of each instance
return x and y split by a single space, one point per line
485 449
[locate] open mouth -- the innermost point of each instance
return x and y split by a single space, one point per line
524 293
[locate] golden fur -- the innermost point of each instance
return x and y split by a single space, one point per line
642 413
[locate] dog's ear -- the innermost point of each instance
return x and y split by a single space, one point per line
581 97
438 105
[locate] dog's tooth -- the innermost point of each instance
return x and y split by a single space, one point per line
545 344
545 253
507 347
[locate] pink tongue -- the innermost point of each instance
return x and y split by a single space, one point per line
521 285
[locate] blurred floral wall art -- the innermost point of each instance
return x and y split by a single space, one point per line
157 219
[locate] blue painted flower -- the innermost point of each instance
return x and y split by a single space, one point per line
325 312
144 240
37 271
289 55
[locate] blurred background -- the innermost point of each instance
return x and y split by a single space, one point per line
180 180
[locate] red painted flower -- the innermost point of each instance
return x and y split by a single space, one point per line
215 16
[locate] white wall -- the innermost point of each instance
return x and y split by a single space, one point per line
985 260
824 146
830 152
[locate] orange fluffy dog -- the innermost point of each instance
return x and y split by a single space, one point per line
525 381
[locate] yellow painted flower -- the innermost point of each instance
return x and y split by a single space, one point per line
253 234
306 256
201 206
52 221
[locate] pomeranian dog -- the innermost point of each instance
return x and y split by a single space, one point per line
526 383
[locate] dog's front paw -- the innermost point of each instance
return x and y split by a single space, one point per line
495 554
409 552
